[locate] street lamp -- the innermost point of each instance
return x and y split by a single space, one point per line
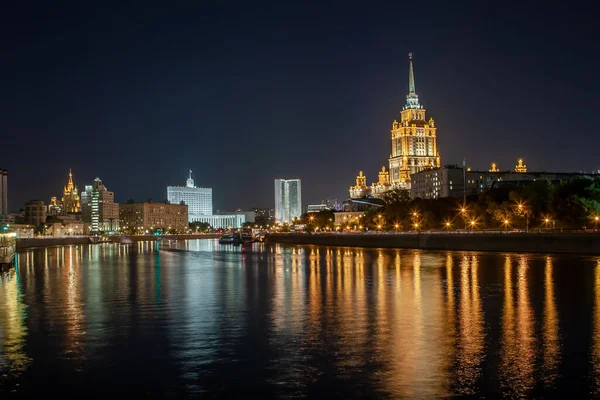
463 211
505 223
396 226
448 225
473 223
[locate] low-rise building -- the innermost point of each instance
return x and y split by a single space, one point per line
454 181
315 208
232 221
138 217
57 229
345 217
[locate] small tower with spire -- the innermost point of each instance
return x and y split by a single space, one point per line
190 182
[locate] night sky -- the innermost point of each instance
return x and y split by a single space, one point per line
245 93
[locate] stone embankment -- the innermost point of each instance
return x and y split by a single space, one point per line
575 243
74 240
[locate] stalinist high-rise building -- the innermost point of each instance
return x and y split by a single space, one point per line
414 146
414 138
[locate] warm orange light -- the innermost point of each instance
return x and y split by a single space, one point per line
472 223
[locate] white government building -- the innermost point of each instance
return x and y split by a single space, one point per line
288 200
200 205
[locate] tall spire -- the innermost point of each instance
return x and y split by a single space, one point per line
411 76
412 99
70 183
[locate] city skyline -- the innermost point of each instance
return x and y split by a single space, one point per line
294 95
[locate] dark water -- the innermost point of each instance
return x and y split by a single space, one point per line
297 322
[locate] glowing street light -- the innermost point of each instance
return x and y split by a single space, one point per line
396 226
448 224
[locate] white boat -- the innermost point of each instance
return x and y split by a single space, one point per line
8 246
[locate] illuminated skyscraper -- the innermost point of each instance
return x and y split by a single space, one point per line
414 147
99 210
70 200
414 139
288 199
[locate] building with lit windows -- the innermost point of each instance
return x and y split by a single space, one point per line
200 206
288 199
71 202
229 221
35 213
99 211
456 181
414 147
3 192
198 199
138 217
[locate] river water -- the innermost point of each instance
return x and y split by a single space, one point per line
306 321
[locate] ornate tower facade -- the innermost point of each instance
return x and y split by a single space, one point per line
70 200
414 139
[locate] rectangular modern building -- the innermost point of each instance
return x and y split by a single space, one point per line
288 199
198 199
137 217
3 192
452 181
229 221
98 208
35 213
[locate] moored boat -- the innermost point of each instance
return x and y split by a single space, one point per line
8 246
230 238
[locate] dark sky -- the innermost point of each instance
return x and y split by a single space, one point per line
244 93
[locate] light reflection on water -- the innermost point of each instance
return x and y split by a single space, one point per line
174 318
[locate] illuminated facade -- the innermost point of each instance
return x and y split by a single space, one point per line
414 139
136 217
520 167
99 211
198 199
414 147
494 168
288 199
70 201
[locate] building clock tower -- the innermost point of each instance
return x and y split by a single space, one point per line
414 139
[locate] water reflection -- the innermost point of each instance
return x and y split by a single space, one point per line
518 353
550 334
192 317
13 331
595 350
471 336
